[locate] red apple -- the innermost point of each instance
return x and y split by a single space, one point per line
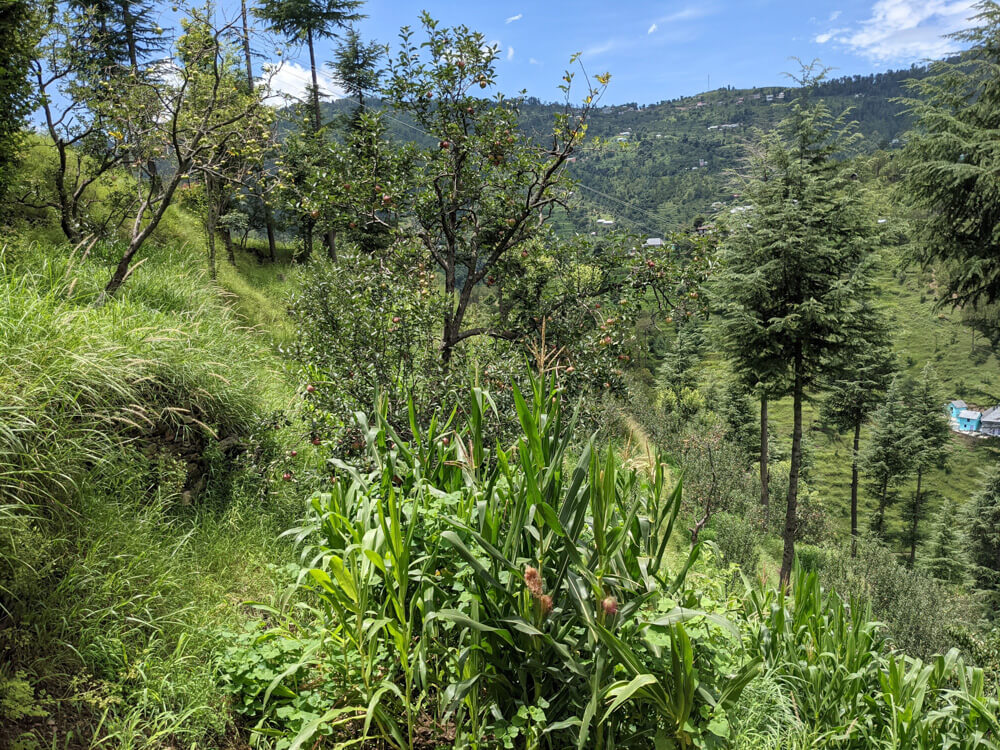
314 214
395 319
444 145
293 454
310 388
387 198
287 476
316 441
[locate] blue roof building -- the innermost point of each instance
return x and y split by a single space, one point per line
969 421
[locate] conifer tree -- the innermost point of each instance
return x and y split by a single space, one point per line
857 390
309 21
796 269
952 176
945 558
984 532
888 459
930 433
355 68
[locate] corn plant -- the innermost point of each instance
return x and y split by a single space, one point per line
503 591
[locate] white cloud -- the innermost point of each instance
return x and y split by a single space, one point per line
826 36
651 29
518 17
290 80
600 49
690 13
834 16
510 53
533 61
905 30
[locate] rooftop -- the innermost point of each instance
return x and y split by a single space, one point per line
969 414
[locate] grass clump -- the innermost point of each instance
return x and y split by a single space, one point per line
136 508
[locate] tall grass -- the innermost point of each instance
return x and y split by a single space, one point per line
114 595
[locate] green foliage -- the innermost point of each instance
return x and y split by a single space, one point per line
368 327
983 514
848 691
950 158
889 455
900 597
17 40
515 592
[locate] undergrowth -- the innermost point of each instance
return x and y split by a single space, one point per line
119 573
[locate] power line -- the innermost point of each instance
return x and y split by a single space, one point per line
626 204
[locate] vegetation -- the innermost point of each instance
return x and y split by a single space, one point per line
485 473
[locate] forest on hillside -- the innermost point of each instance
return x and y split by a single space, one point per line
432 417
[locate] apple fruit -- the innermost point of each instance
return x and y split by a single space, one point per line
287 476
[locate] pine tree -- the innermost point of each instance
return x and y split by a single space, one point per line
984 532
308 21
795 270
888 459
355 68
858 390
945 558
737 410
951 152
930 431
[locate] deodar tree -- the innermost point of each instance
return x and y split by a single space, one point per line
796 269
930 434
952 179
857 390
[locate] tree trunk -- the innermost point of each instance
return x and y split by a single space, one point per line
765 499
272 245
227 238
331 244
916 518
315 83
211 254
882 502
854 489
788 555
307 242
258 191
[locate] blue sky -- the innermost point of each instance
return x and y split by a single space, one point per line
661 50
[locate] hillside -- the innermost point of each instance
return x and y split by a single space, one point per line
659 166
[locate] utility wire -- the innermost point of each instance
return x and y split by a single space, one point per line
626 204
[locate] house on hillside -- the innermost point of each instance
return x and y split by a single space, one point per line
990 424
969 420
956 407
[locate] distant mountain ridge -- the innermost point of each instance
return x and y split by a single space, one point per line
655 168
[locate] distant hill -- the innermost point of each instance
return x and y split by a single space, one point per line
653 168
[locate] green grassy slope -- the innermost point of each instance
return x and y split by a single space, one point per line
923 334
131 534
